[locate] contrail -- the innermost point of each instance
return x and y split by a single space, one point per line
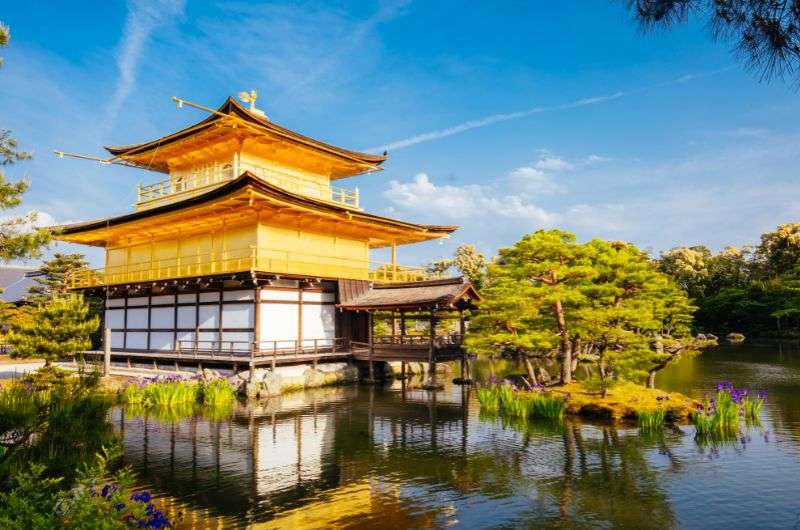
142 19
496 118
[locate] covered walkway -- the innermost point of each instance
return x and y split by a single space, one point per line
429 303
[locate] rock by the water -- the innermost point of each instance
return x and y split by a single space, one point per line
272 384
543 376
734 338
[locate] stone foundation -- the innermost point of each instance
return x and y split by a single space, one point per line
296 377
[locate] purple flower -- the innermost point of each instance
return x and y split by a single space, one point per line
119 506
141 496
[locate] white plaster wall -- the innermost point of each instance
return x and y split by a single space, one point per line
278 322
319 323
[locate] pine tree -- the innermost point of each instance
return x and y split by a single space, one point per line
542 273
601 301
58 328
18 236
51 279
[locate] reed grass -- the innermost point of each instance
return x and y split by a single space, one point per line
544 406
503 398
489 398
651 419
217 393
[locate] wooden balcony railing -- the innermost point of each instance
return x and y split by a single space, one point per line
196 180
242 260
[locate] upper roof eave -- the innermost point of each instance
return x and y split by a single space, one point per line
231 107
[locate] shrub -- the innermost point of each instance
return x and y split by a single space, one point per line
59 428
100 500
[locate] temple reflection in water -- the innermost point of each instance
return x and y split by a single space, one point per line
390 457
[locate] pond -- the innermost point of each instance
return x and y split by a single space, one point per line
396 457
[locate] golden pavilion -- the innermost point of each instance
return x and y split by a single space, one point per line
249 245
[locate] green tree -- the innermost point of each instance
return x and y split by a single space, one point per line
58 328
601 301
635 316
467 261
18 236
547 269
779 251
51 279
766 32
471 264
5 36
689 266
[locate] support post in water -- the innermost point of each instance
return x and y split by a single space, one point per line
370 336
106 351
432 383
464 379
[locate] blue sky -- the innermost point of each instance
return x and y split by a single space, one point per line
502 117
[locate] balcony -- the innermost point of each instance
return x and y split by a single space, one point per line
248 259
184 184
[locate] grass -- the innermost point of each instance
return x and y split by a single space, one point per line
489 399
625 401
651 419
173 392
503 398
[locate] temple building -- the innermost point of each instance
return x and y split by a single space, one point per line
249 249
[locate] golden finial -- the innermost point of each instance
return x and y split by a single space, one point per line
249 97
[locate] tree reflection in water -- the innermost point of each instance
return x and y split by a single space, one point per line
397 458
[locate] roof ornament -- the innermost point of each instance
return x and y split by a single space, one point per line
251 97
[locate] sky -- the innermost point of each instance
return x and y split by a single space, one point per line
500 117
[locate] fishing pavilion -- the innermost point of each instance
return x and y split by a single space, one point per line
248 252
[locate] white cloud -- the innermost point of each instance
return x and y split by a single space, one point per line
144 17
553 163
596 159
20 222
459 203
534 180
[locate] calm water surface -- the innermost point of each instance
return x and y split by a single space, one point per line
395 457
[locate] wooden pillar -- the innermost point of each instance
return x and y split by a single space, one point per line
256 319
402 322
432 383
464 379
370 338
106 351
394 260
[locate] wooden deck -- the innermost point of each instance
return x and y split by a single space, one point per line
409 348
405 348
